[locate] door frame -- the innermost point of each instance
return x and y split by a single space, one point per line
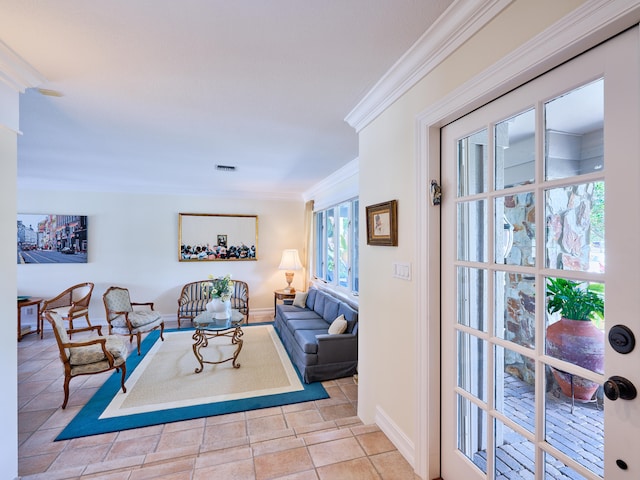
590 24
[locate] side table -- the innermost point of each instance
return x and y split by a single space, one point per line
282 296
27 302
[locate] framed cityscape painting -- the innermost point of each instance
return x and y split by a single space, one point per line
52 238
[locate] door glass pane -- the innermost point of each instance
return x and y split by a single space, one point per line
515 150
514 394
554 469
515 457
471 365
576 428
515 308
574 132
472 298
515 224
472 231
575 227
472 164
472 441
575 326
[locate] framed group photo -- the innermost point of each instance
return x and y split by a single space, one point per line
382 224
215 237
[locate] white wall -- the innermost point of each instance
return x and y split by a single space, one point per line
133 242
8 347
388 164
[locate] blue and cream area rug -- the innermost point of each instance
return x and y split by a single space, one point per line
162 385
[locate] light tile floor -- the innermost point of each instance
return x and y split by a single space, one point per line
322 440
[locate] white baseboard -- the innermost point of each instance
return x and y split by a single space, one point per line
403 443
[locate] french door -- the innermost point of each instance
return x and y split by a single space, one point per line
539 185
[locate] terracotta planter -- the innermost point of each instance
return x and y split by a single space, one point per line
581 343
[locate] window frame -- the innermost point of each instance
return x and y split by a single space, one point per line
325 247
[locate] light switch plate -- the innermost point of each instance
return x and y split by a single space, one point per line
402 270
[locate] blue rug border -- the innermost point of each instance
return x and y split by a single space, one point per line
87 421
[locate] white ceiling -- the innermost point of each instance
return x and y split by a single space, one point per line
156 93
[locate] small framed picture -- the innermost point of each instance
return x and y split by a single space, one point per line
222 240
382 224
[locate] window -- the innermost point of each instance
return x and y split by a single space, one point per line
336 245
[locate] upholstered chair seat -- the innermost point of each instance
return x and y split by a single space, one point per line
125 320
87 356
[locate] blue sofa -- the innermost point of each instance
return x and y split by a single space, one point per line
317 354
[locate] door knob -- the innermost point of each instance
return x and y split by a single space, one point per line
619 387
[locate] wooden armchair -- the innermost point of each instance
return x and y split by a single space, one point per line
124 320
71 304
193 301
88 356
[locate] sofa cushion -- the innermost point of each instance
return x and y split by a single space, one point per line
300 299
307 340
311 298
330 311
338 326
350 315
310 324
318 305
193 307
299 314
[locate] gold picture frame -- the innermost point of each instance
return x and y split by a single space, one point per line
382 224
210 237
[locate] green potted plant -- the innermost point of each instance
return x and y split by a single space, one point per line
575 338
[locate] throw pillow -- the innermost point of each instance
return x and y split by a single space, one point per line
300 300
338 326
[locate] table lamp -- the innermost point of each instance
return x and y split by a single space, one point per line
290 261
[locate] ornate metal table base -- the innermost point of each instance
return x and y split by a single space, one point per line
201 338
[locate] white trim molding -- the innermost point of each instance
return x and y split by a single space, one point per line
16 72
341 185
403 443
588 25
455 26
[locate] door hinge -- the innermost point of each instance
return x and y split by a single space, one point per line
436 193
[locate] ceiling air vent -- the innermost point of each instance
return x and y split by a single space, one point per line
226 168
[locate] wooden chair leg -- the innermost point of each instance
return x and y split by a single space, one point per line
124 373
138 337
67 379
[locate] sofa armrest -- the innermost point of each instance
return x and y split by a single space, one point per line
337 348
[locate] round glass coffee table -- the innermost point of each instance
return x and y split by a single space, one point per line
208 327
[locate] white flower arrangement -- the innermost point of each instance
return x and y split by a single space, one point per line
219 287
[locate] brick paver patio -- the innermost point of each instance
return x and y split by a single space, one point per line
578 434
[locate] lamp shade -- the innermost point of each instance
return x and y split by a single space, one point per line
290 260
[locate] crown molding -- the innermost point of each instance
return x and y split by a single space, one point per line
348 172
456 25
16 72
588 25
